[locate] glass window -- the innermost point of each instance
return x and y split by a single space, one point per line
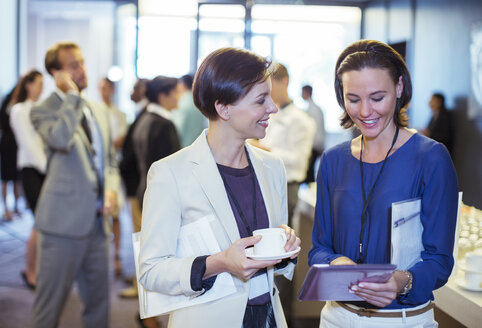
161 49
220 26
307 40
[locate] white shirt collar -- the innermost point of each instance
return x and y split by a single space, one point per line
141 104
159 110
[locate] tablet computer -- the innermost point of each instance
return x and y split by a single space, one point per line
325 282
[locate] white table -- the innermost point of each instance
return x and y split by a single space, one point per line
462 305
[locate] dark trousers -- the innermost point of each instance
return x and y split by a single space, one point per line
32 181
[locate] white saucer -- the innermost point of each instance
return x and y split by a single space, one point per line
249 253
461 283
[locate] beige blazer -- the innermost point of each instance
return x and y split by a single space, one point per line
183 188
67 203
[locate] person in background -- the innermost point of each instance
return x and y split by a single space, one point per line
118 129
154 136
189 121
138 95
117 118
77 197
441 125
128 164
130 172
290 137
8 158
316 114
360 179
219 175
31 157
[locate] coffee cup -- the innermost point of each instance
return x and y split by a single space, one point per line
272 242
473 261
473 280
473 269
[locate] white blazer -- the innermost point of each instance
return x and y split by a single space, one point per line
183 188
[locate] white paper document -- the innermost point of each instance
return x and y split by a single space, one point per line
407 229
195 239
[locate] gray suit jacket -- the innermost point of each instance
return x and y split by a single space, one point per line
68 201
183 188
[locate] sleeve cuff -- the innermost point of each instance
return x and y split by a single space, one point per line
285 262
198 269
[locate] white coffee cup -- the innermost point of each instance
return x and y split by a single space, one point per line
473 269
473 261
272 242
473 279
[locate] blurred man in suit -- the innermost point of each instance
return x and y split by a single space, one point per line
78 192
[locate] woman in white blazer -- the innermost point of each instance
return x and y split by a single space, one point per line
242 187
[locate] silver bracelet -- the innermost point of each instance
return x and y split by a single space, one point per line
408 286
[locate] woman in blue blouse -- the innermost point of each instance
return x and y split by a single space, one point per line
360 179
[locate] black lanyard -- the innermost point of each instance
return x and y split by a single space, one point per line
366 200
235 201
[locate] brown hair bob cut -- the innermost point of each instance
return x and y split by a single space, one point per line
226 75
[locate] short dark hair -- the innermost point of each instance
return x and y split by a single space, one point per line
308 89
187 80
374 54
52 55
226 75
159 84
440 97
20 93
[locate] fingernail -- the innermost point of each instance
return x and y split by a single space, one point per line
362 285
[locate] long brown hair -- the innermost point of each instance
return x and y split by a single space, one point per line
20 93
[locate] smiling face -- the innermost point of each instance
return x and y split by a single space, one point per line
370 100
249 115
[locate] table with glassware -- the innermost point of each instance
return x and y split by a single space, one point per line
461 297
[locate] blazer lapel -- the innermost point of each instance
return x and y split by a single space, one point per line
57 100
85 139
207 173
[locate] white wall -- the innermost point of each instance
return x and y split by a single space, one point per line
89 24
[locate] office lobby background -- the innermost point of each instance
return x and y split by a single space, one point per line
442 41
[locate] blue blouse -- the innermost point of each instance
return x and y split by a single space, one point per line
420 168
